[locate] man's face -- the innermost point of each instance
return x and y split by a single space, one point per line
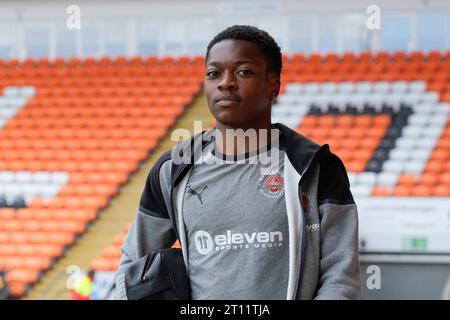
238 87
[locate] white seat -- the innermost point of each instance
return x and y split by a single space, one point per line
363 87
6 177
340 99
49 190
322 101
420 155
12 190
27 91
417 86
296 114
399 154
361 190
388 179
442 111
413 131
377 100
41 177
381 87
417 119
294 87
3 102
278 110
399 86
426 143
328 87
11 91
437 120
305 99
346 87
414 167
367 178
393 166
7 113
395 99
59 178
30 190
287 98
358 100
412 98
432 131
311 87
430 97
423 108
23 177
405 143
17 102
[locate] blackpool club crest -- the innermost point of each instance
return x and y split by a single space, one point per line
272 186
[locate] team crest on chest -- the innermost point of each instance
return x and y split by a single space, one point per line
272 186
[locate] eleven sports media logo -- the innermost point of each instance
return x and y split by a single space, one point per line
205 243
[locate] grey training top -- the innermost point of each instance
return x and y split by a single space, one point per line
237 227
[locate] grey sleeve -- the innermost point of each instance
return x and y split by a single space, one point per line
152 228
340 276
148 233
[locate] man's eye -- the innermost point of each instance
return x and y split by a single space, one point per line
244 72
212 74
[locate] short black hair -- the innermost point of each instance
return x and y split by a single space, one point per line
261 38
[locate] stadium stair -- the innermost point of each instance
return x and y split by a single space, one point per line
121 211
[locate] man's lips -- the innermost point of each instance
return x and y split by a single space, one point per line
227 100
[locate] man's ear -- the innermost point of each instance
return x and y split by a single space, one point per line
275 84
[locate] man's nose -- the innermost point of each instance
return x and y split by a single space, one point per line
228 82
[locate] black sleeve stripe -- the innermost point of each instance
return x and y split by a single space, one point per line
338 202
152 199
334 186
152 213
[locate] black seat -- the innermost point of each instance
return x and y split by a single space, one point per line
18 202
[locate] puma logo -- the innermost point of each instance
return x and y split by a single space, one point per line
196 193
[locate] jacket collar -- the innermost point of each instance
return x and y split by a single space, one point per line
302 152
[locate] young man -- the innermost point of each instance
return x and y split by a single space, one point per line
287 229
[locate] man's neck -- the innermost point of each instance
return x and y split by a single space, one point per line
233 140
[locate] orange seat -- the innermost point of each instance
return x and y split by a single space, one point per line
17 289
12 263
428 178
441 190
37 263
22 276
103 264
422 191
444 178
120 239
402 190
405 179
112 252
380 191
